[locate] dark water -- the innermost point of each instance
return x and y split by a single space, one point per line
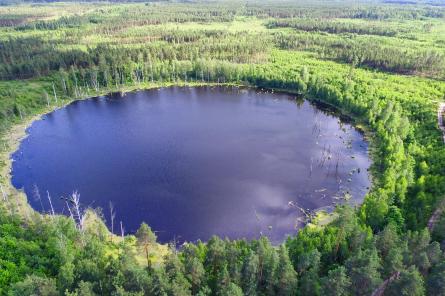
193 162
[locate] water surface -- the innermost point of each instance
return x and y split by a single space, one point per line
193 162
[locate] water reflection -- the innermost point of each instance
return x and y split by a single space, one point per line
193 162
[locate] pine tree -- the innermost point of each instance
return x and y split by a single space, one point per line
336 283
436 280
409 283
195 273
363 271
145 237
250 274
286 277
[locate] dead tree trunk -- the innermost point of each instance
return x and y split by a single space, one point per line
381 289
112 216
55 95
50 203
5 197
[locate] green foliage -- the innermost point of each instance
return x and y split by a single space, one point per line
336 282
436 280
345 55
35 285
363 269
287 282
145 235
410 282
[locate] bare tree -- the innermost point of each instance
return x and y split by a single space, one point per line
112 216
75 198
36 194
122 231
50 202
54 91
76 212
64 86
5 197
69 210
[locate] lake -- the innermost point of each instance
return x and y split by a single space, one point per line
193 162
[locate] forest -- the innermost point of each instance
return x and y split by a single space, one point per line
380 63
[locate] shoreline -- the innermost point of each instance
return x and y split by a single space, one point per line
18 132
17 199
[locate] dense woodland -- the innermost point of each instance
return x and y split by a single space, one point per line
381 64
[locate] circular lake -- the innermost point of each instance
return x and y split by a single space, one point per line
193 162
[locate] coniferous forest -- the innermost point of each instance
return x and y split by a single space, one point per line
381 63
